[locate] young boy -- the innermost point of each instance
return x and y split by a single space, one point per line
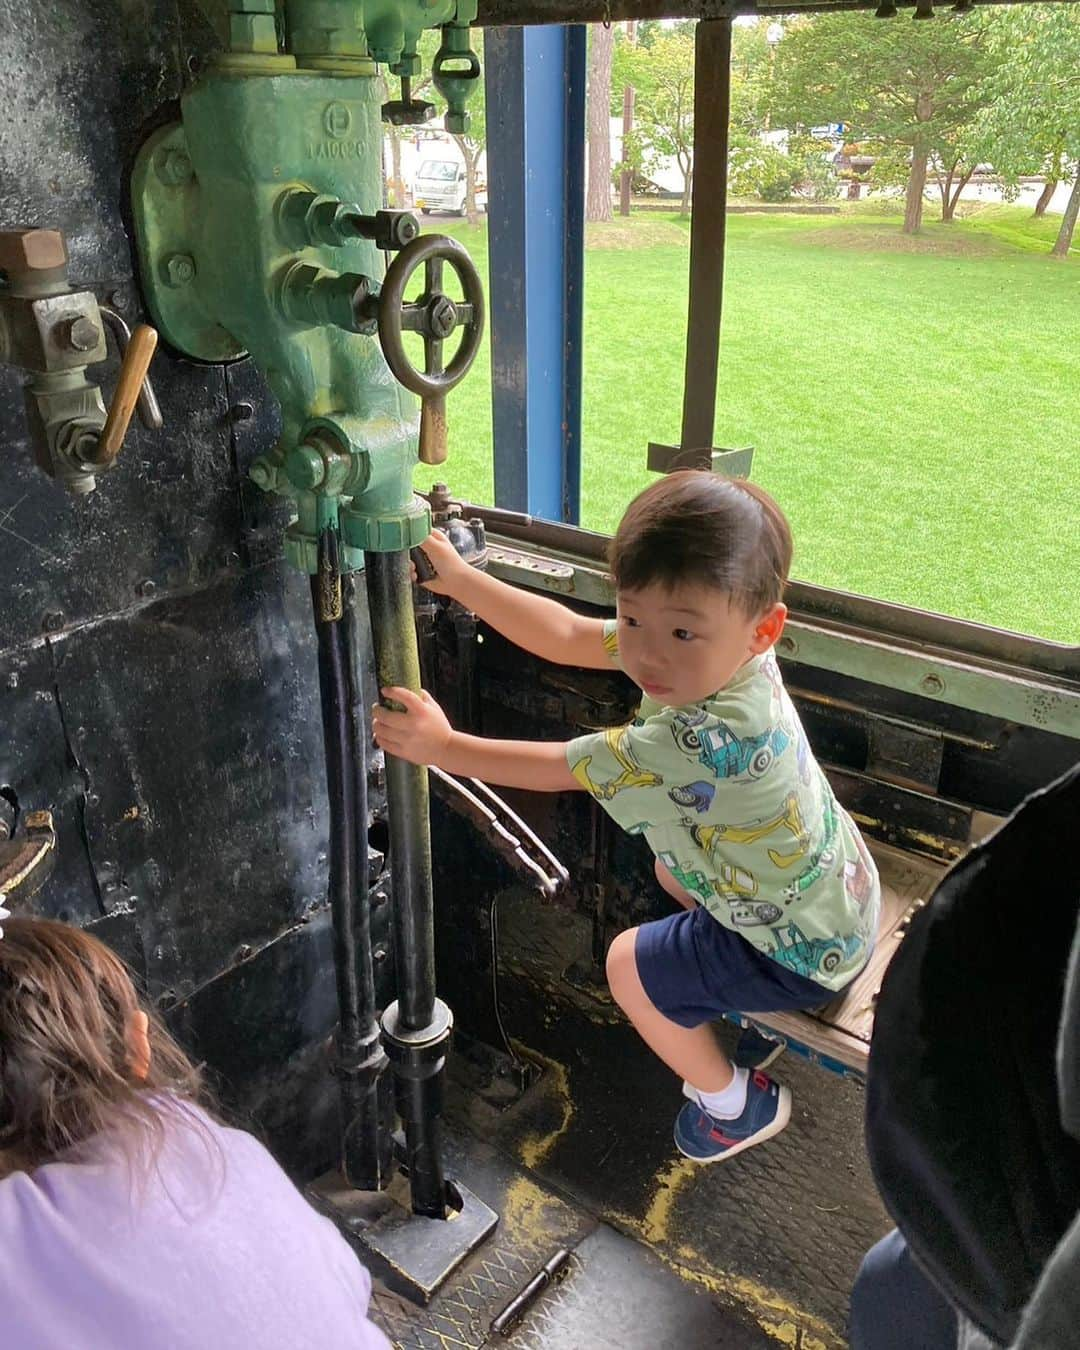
779 895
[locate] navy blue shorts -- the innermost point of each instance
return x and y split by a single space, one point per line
694 970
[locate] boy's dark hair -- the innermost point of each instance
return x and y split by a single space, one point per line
693 526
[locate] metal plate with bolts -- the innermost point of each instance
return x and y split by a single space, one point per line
410 1254
165 208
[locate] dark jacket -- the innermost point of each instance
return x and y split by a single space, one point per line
973 1103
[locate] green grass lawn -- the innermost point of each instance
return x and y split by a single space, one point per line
913 404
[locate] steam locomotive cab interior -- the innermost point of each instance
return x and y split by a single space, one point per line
228 365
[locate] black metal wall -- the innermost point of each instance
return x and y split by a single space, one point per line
158 687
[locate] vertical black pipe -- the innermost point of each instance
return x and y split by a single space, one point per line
397 663
708 229
416 1029
358 1058
601 873
368 1147
468 705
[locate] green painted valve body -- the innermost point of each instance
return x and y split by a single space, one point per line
241 214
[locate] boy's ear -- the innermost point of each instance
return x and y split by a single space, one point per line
768 630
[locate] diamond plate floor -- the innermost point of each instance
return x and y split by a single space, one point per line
759 1252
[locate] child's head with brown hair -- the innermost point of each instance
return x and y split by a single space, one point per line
695 527
700 564
81 1059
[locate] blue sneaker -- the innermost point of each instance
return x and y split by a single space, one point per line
706 1139
755 1051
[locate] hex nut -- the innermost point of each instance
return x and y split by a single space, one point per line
32 250
262 474
178 269
81 333
174 168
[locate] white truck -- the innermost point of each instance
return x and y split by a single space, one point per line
439 182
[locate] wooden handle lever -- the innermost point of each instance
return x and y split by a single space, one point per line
433 430
129 382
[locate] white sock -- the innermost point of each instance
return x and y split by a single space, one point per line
728 1103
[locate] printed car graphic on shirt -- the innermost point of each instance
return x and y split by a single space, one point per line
811 956
697 883
697 795
716 746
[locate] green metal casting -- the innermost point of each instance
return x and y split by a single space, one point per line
259 229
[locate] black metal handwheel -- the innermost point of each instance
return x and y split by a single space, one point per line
435 316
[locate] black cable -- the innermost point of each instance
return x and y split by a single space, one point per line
493 925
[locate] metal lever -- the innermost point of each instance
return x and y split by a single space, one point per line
129 384
422 563
148 406
511 838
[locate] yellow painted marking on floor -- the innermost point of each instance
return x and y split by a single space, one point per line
530 1212
777 1316
654 1226
534 1149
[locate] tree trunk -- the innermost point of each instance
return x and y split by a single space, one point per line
626 178
1068 220
688 183
598 194
472 211
948 205
913 206
944 188
1045 197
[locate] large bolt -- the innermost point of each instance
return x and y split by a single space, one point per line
31 251
306 468
174 168
262 473
81 334
178 269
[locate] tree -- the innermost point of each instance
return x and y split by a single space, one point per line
909 88
626 170
661 69
598 192
1031 121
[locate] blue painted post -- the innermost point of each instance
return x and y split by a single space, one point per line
536 232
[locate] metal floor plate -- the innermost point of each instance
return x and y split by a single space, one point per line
615 1293
778 1231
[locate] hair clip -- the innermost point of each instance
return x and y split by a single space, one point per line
4 913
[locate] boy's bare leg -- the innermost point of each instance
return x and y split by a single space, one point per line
691 1052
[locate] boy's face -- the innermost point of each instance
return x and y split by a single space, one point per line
681 645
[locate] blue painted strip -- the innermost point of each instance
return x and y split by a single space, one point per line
574 235
535 123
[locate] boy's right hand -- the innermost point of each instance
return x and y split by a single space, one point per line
452 572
